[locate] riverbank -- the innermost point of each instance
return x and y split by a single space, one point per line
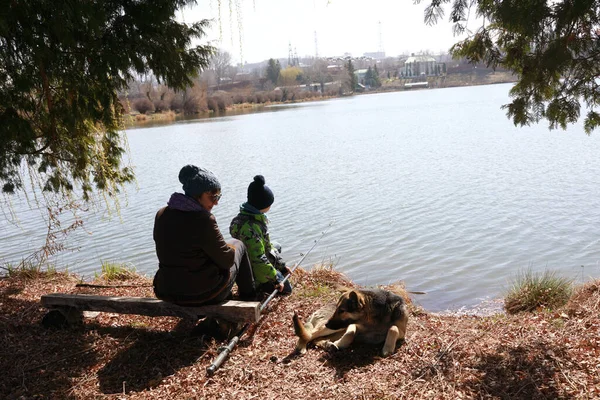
143 120
546 354
231 107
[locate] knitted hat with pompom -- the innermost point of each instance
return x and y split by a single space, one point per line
259 195
197 181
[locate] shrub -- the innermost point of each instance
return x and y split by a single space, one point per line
223 102
531 291
212 105
143 105
193 105
239 99
177 104
261 97
160 105
275 95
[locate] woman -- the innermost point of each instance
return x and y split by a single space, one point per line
196 265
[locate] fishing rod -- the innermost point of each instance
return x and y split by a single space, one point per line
212 368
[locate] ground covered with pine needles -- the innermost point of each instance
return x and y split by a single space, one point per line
540 355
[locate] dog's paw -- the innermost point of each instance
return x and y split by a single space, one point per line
331 347
387 352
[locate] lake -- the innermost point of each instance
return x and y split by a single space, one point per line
436 188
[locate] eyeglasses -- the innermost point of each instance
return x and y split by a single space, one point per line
217 197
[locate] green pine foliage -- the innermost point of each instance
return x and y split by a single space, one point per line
273 71
352 79
552 46
372 77
61 66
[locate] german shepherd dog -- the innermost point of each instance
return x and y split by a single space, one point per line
314 330
367 316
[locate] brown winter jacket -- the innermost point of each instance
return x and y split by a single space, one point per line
194 260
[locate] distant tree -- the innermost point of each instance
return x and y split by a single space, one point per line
220 63
552 46
376 78
352 79
372 77
273 71
289 76
62 65
368 79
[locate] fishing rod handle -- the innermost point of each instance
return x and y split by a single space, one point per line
212 368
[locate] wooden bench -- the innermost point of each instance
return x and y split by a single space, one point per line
67 309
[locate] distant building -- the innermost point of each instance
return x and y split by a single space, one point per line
360 75
242 76
422 65
377 55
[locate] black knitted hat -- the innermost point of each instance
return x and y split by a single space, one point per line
197 180
259 195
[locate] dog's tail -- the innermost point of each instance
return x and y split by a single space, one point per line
299 329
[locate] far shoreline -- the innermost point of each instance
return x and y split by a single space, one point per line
134 120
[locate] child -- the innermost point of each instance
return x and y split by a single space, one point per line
250 226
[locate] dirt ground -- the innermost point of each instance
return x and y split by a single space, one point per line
543 355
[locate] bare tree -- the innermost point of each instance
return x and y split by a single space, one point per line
220 64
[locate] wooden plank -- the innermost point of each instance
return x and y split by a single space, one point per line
231 310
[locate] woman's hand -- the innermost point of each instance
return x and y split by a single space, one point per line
279 286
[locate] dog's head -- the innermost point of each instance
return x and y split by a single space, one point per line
349 310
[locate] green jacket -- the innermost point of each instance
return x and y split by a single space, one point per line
250 226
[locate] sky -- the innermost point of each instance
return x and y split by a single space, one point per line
268 27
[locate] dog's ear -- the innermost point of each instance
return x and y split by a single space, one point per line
353 301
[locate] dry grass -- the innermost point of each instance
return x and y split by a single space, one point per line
112 271
30 270
544 355
532 291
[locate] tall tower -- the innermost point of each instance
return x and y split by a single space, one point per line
316 46
290 54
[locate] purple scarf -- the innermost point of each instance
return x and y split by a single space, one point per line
182 202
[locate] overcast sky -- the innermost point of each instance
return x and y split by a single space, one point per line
268 27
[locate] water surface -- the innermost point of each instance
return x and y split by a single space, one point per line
434 187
